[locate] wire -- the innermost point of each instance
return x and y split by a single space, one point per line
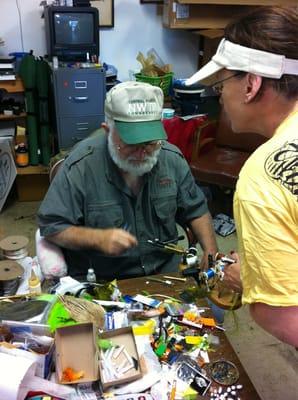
20 23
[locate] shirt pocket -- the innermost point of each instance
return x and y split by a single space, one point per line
104 215
165 208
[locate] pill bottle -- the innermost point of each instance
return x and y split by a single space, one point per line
91 277
22 155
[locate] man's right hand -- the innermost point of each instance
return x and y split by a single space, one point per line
115 241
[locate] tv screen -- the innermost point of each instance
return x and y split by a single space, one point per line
71 32
73 28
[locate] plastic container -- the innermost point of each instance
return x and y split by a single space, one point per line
18 56
34 283
22 155
168 113
195 99
91 277
164 81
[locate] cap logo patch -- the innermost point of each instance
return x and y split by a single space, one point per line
142 107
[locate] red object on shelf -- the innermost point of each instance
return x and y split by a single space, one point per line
181 133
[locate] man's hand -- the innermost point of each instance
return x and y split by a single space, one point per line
232 274
204 263
111 241
115 241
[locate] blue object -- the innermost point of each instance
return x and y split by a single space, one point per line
18 56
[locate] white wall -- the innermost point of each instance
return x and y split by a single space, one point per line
137 28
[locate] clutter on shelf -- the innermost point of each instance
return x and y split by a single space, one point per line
154 71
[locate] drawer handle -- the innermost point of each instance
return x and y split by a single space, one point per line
82 128
79 99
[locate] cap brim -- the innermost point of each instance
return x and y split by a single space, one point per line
140 132
206 74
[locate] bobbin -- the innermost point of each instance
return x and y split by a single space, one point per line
10 274
14 247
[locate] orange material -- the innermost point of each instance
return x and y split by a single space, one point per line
69 375
207 321
22 157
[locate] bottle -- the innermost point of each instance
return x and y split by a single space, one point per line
34 283
91 277
22 155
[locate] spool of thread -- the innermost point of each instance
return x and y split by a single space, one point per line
10 275
14 247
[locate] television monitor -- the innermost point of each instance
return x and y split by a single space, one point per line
71 32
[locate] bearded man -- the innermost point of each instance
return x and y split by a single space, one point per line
122 187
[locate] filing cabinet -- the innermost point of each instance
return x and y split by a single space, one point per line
79 103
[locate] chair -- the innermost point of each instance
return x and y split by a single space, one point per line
218 160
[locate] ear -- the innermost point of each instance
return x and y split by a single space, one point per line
253 87
105 126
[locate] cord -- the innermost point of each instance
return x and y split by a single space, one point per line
20 23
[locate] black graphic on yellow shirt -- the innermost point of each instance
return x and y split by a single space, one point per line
282 165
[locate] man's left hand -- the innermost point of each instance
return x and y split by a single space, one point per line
232 274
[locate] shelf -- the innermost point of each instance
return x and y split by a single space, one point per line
240 2
10 117
33 170
14 86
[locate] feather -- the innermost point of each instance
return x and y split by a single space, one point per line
82 310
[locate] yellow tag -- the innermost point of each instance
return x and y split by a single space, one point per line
195 340
145 329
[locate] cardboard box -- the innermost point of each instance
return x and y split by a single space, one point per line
122 337
32 182
76 348
44 361
211 40
200 16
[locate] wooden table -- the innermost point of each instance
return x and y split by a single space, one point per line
224 350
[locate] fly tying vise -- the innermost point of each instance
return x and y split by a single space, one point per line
211 280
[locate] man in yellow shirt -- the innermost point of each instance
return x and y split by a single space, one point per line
255 70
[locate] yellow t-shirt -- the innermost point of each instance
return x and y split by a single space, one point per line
266 215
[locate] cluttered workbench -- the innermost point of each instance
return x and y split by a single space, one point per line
224 350
153 336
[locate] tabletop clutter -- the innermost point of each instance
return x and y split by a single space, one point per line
88 340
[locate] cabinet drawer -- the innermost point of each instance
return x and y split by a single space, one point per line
73 129
79 93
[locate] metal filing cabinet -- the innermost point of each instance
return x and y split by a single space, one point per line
79 102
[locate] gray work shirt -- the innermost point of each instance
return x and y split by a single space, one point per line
89 191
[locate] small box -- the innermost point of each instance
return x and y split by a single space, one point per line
32 182
123 337
76 348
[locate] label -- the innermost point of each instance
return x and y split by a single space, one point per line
182 11
148 301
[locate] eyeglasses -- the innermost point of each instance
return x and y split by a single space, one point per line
218 86
148 146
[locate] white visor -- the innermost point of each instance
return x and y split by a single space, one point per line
240 58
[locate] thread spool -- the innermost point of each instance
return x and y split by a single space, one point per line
10 274
14 247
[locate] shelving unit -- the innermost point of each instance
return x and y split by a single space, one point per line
32 182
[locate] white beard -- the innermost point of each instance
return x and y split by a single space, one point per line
127 165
